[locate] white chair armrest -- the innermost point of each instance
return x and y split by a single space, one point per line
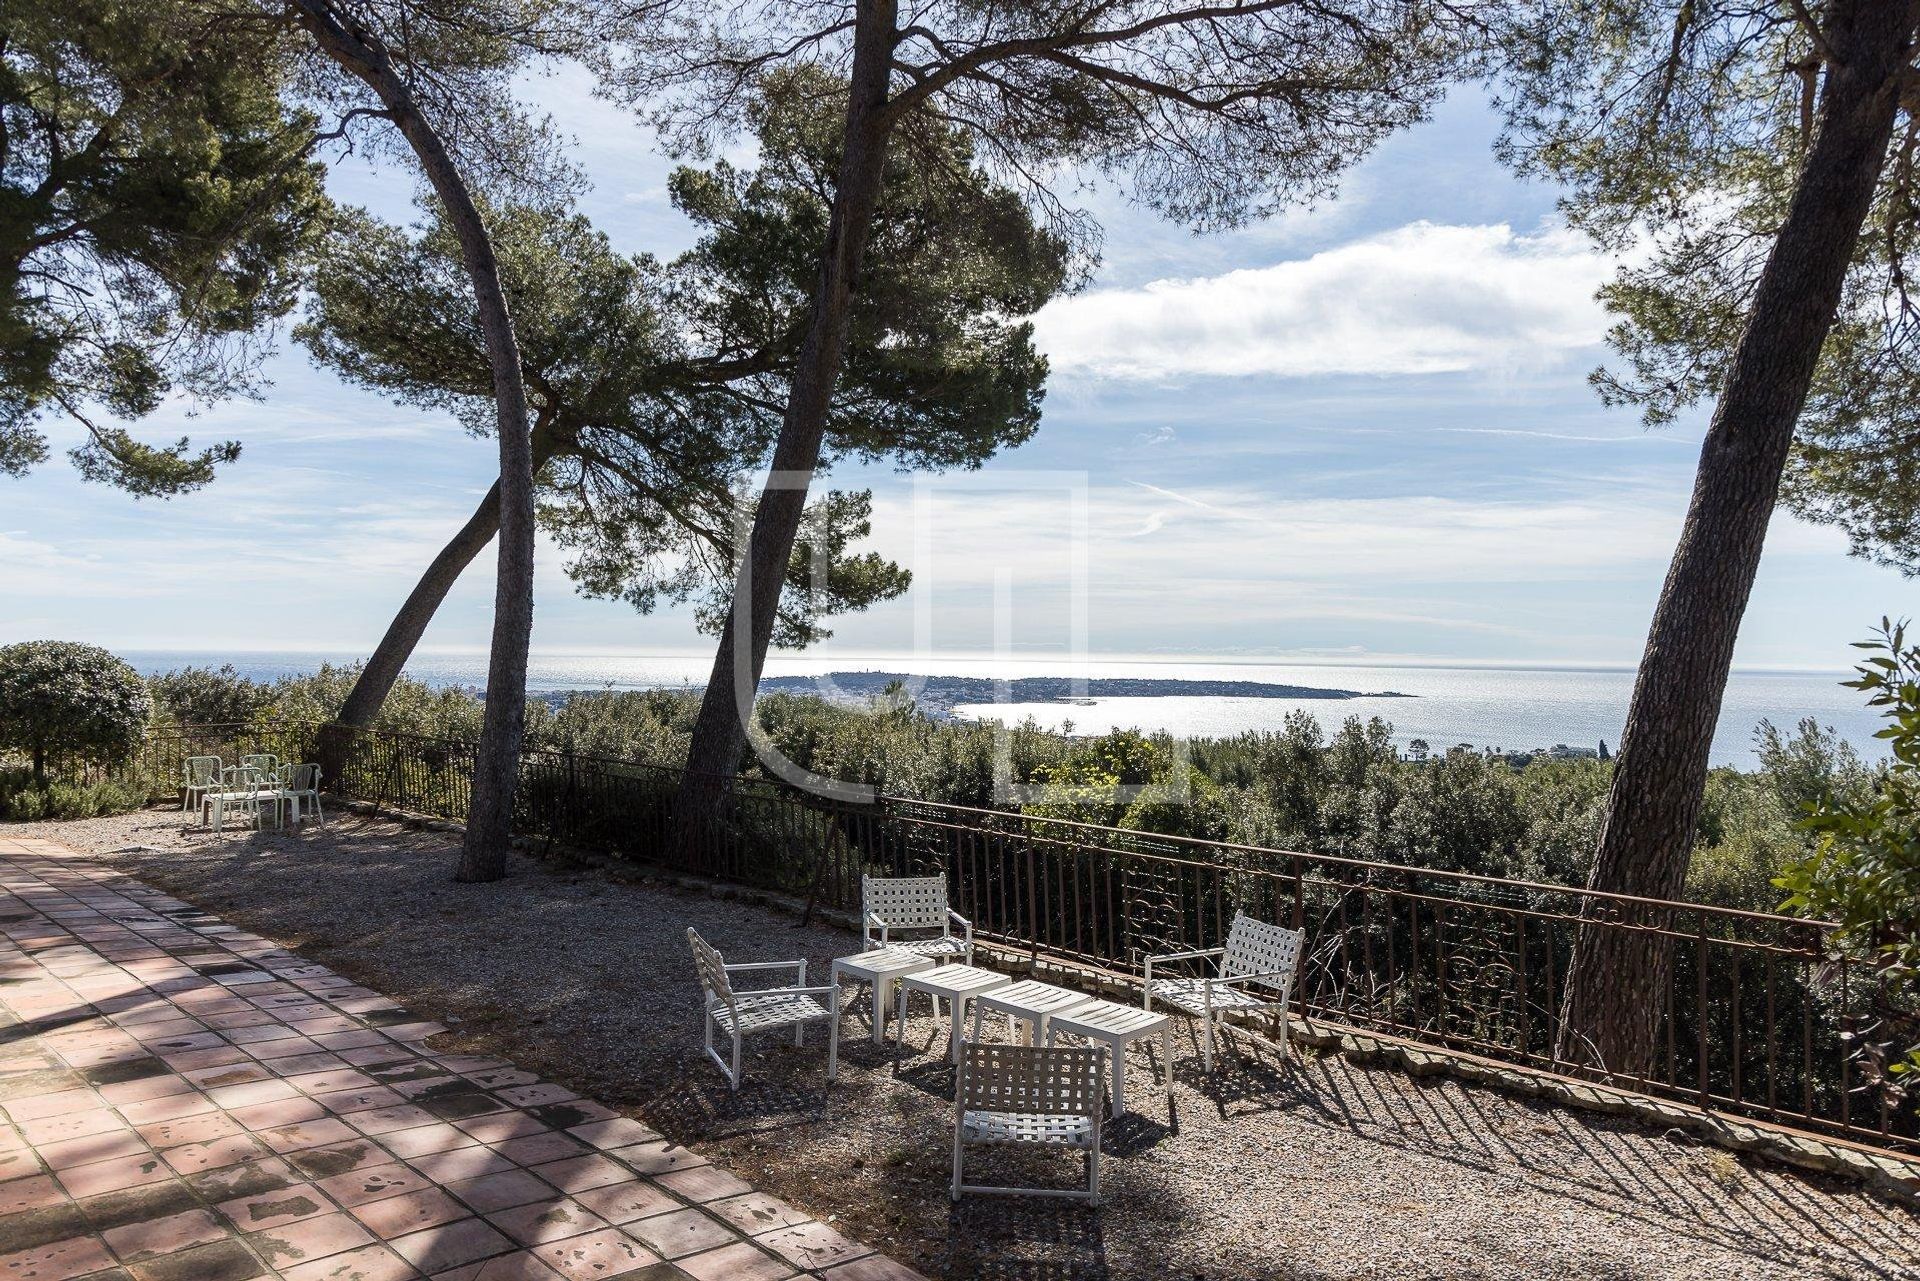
765 965
966 926
873 919
1163 957
787 991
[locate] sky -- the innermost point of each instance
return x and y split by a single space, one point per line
1358 432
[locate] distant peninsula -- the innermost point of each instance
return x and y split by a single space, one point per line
939 695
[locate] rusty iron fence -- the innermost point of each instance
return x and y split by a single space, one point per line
1756 1018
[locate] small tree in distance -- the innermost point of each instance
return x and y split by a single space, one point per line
65 698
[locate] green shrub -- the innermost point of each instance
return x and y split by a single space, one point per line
22 800
63 699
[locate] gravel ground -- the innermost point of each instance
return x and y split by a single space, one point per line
1319 1168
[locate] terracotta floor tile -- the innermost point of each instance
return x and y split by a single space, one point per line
682 1232
396 1216
737 1262
113 1175
538 1149
71 1125
306 1134
499 1191
204 1128
606 1253
578 1173
94 1147
170 1107
625 1202
521 1265
238 1096
621 1132
226 1074
218 1186
461 1163
138 1241
451 1244
282 1206
499 1127
757 1212
377 1121
659 1158
424 1139
308 1239
222 1261
40 1106
57 1261
267 1116
350 1101
553 1219
374 1183
218 1154
369 1263
30 1193
704 1183
811 1245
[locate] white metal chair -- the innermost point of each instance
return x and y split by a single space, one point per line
892 903
764 1010
1254 972
266 762
1019 1094
241 787
302 783
202 774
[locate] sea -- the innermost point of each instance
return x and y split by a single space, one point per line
1503 708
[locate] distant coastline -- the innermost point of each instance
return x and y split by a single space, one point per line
939 695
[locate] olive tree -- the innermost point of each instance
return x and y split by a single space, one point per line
62 698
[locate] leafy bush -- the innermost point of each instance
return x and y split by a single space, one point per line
64 699
1864 871
23 800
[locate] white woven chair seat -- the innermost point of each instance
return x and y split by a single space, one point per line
930 947
1049 1130
1189 995
757 1013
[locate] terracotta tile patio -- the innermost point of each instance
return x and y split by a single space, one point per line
189 1102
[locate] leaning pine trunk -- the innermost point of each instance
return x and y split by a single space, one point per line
720 732
496 770
389 658
1618 980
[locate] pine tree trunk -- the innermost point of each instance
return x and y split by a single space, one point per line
1617 983
497 767
389 658
720 732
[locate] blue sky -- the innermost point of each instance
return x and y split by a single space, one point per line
1357 432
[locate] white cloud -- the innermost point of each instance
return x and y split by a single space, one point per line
1421 299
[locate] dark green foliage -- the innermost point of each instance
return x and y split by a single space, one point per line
156 202
1679 129
655 386
1864 870
65 700
22 800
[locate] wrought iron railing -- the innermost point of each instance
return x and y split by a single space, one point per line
1755 1016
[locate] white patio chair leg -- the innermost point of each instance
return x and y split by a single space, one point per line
953 1189
1166 1060
1120 1080
979 1021
734 1080
833 1036
957 1010
900 1000
879 1012
1206 1043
